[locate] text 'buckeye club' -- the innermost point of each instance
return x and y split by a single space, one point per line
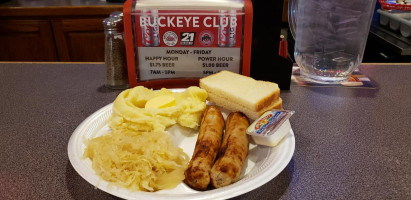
225 21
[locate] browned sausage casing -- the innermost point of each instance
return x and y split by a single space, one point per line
233 151
208 143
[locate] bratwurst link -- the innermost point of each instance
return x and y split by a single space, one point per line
233 151
197 175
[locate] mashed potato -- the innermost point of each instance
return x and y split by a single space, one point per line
129 112
146 161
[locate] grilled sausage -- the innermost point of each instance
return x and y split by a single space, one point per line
197 175
233 151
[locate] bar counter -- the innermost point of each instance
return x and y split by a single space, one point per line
351 143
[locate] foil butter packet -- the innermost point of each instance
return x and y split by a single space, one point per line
271 127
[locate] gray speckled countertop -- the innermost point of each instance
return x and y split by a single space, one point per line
350 143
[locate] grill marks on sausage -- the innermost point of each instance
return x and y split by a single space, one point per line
229 168
216 159
207 146
233 151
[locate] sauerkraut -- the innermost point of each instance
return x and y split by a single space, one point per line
138 161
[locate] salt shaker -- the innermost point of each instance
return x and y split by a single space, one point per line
115 58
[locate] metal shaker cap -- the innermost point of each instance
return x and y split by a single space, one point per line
113 24
117 14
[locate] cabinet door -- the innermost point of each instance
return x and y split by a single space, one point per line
26 40
79 39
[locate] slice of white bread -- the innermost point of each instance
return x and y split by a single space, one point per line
241 93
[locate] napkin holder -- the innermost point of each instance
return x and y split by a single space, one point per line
142 51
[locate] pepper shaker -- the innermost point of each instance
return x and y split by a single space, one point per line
115 58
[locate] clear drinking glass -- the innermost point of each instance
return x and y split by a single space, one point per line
330 36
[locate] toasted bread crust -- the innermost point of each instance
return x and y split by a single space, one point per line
234 106
267 101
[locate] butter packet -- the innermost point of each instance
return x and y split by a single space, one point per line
271 127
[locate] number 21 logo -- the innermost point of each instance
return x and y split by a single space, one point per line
187 38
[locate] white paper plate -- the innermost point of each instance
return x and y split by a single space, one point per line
263 163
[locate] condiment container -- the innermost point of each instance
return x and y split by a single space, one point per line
115 56
271 127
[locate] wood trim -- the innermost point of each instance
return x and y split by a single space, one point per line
61 42
63 28
36 36
58 11
68 26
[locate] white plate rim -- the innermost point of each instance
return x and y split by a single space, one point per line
221 193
